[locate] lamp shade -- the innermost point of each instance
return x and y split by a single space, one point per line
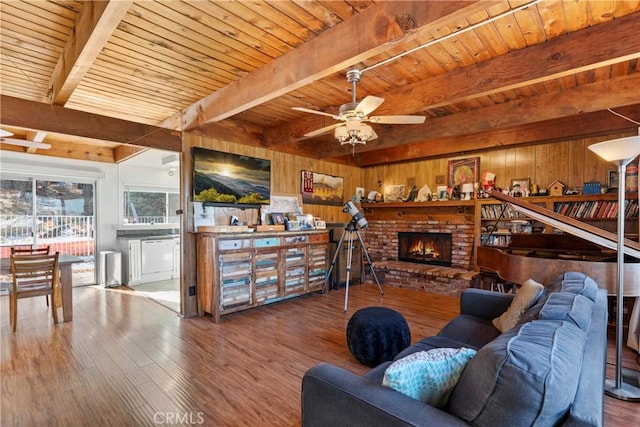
467 187
618 149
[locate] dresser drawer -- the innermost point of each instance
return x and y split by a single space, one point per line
266 242
227 245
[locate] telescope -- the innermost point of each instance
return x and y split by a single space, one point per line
357 220
356 217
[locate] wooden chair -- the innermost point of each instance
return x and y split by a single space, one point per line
33 275
29 250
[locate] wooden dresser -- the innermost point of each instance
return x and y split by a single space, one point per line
238 271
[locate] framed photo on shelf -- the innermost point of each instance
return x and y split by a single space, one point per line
612 179
277 218
524 183
464 171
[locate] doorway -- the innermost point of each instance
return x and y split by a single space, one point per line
47 212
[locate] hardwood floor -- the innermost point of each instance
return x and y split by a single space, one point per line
126 360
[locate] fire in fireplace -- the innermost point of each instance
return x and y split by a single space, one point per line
425 248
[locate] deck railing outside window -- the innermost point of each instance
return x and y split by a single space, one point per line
72 234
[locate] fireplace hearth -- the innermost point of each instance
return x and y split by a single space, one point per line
425 248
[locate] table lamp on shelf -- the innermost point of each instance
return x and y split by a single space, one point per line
621 152
467 190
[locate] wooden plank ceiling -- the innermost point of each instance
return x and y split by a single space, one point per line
484 74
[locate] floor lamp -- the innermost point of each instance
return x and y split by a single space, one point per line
621 152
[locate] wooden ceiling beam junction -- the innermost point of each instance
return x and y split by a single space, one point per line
94 25
364 35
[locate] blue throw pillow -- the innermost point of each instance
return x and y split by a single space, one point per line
428 376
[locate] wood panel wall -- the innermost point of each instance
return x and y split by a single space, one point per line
571 162
285 179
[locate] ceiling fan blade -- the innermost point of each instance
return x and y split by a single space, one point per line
398 120
25 143
374 135
368 104
323 130
307 110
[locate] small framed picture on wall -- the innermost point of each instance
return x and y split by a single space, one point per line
612 179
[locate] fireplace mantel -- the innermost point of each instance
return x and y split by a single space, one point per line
432 204
411 211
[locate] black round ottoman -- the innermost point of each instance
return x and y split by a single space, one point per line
377 334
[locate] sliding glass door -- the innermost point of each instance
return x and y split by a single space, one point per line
60 215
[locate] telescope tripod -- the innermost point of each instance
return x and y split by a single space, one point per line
349 232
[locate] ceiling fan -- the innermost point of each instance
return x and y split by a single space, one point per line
5 138
352 128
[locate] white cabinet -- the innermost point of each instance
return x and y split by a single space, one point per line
132 262
176 258
150 259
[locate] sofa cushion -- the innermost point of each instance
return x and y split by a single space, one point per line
568 306
470 330
579 283
428 376
526 376
526 296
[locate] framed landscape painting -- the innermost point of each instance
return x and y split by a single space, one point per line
322 189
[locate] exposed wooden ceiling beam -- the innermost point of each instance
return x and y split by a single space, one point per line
587 125
53 118
595 47
364 35
95 23
126 152
73 151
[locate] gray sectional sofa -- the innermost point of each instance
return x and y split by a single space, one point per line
547 370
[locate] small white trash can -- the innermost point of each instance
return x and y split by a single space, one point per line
110 268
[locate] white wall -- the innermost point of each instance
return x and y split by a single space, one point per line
109 180
150 177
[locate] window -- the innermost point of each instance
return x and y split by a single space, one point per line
150 206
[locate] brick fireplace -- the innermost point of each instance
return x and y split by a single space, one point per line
425 248
387 222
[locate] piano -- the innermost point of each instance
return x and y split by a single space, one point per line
543 257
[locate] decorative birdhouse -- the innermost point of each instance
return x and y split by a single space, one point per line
556 188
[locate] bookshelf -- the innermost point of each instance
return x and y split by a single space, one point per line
599 210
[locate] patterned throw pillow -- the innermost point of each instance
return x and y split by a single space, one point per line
525 297
428 376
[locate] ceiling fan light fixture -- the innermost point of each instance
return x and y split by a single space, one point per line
366 132
353 126
354 131
341 134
